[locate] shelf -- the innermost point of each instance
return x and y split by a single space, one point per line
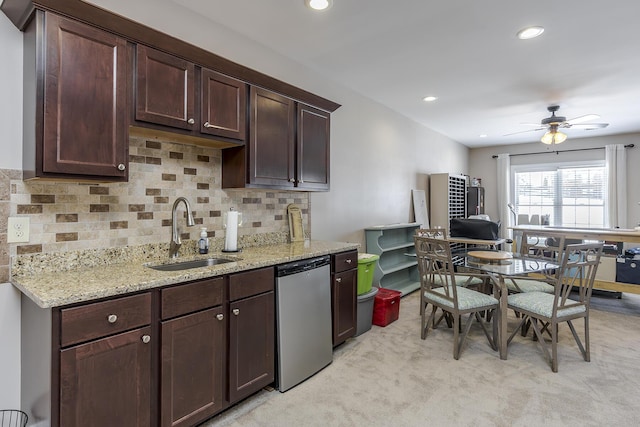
405 287
397 267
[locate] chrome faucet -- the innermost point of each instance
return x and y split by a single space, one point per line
176 242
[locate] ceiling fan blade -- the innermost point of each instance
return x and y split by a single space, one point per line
588 126
584 118
524 131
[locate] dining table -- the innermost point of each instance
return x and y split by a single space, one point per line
500 266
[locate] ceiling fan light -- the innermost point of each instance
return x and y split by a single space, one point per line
553 137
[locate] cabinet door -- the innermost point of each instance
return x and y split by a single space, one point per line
165 92
224 106
107 382
343 293
192 377
85 115
313 148
251 345
272 139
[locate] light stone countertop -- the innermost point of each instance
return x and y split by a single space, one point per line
57 288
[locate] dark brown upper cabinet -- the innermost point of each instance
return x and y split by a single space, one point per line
288 146
176 94
75 103
312 148
165 92
224 106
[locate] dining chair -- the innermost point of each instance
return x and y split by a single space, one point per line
576 273
13 418
440 290
545 245
466 280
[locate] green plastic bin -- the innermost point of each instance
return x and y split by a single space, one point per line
366 267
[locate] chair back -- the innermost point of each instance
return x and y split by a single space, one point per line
436 267
577 273
542 244
13 418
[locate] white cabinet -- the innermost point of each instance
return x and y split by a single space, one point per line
397 267
447 197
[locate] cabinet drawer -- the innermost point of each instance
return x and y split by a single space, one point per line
192 297
243 285
344 261
104 318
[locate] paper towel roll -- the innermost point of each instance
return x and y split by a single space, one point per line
231 233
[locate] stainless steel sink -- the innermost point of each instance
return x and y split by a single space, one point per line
185 265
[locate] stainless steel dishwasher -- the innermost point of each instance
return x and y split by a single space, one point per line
303 320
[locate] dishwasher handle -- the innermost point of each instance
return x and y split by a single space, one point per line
302 265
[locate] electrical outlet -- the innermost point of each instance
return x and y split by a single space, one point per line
18 229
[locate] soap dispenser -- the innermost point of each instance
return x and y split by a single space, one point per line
203 243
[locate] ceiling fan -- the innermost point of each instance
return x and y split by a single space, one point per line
553 123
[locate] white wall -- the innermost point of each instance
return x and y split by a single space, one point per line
483 166
11 158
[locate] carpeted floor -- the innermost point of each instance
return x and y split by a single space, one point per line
390 377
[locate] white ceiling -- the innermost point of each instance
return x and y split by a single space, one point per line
466 53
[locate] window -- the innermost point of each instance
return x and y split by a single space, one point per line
563 195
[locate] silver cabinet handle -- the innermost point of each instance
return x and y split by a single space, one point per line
191 121
292 180
301 181
121 167
208 125
112 318
220 316
236 311
146 339
339 280
348 261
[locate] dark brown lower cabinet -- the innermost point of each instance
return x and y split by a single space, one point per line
172 357
107 382
344 289
251 345
192 376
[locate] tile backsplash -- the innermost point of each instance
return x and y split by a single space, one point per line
68 216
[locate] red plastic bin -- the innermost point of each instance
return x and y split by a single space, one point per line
386 307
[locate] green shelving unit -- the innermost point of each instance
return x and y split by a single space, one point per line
397 267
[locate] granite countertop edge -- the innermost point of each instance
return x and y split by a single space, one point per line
56 289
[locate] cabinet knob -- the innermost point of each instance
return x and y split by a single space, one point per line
220 316
292 180
146 339
301 181
236 311
121 167
191 121
112 318
339 280
348 261
208 125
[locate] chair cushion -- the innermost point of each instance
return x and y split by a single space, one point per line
461 280
541 303
529 285
467 298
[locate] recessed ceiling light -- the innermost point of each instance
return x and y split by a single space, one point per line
530 33
318 4
429 98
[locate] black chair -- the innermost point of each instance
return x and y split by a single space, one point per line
13 418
